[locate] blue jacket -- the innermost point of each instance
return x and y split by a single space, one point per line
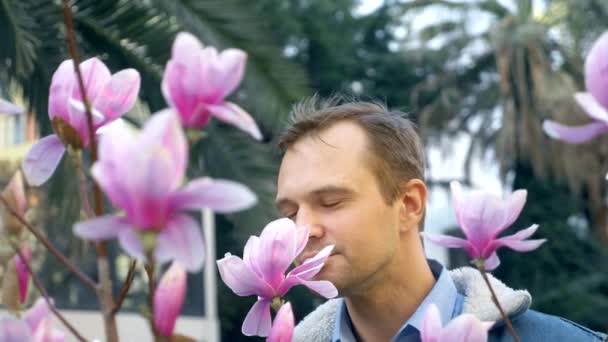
530 325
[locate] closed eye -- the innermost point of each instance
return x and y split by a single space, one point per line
330 204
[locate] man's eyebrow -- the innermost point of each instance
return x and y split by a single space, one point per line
324 190
332 189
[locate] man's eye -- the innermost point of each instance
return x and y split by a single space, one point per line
330 204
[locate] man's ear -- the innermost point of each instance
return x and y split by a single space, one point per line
412 204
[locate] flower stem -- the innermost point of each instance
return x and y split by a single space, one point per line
82 182
125 286
49 246
150 269
105 297
45 294
505 318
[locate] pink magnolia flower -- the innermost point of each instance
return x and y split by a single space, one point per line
594 101
14 194
282 327
9 108
23 275
169 299
110 96
482 217
141 175
261 272
198 79
464 328
13 329
36 325
40 319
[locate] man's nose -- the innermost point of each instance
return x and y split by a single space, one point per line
308 218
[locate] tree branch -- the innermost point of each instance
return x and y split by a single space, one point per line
125 287
45 294
49 246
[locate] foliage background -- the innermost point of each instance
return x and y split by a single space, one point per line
489 69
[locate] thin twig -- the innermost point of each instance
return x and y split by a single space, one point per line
125 287
106 298
45 294
67 15
82 184
505 318
52 249
149 267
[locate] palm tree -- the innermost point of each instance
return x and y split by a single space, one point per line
499 82
139 34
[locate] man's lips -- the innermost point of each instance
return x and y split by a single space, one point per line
310 254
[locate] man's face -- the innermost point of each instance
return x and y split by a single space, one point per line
326 183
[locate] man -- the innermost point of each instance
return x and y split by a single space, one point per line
353 173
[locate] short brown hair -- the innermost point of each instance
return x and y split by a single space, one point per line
397 152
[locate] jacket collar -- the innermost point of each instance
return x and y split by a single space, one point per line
319 324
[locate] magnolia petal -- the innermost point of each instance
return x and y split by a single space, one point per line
251 254
118 95
302 234
9 108
185 43
37 313
95 76
322 287
164 129
23 273
109 171
492 262
230 113
277 250
62 84
46 332
101 228
10 288
574 134
446 240
15 193
181 240
78 119
306 271
131 243
283 325
42 160
514 204
465 327
592 107
517 241
169 299
521 245
596 65
431 324
230 68
222 196
173 89
241 279
258 321
314 263
14 330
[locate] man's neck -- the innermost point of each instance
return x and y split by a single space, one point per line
378 312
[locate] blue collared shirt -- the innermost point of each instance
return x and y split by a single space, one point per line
443 294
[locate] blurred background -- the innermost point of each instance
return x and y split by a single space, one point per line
477 76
